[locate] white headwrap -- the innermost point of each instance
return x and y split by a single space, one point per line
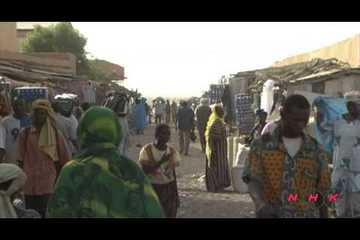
10 172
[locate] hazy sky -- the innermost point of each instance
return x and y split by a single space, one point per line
175 59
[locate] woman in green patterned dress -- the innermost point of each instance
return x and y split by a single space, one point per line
99 182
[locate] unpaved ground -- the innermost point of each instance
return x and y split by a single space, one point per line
196 202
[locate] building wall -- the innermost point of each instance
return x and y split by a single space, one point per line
356 83
350 83
8 40
343 85
301 87
333 86
347 50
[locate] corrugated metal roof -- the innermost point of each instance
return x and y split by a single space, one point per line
298 72
327 74
317 75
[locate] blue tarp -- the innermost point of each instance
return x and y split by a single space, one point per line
331 109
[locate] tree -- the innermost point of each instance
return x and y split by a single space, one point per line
62 37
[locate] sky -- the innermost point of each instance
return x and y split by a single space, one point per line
181 59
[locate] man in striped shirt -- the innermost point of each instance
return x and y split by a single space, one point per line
42 153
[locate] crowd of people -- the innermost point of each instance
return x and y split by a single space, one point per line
289 172
66 159
288 158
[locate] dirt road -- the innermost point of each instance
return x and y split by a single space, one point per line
196 202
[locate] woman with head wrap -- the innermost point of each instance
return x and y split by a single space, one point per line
42 153
12 179
217 168
346 159
99 182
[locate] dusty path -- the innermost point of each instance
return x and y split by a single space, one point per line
196 202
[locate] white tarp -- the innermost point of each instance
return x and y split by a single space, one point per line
267 95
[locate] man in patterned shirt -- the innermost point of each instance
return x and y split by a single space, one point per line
287 171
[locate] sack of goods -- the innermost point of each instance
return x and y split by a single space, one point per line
238 168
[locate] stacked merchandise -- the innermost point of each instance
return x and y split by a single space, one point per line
245 116
30 94
215 93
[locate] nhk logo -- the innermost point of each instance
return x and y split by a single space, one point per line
327 199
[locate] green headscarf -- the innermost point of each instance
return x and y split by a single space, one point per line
97 130
100 182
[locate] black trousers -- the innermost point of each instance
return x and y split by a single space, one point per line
169 198
38 203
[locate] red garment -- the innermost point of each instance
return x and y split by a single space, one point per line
38 166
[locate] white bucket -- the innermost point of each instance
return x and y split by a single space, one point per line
236 142
237 169
238 184
241 155
230 150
